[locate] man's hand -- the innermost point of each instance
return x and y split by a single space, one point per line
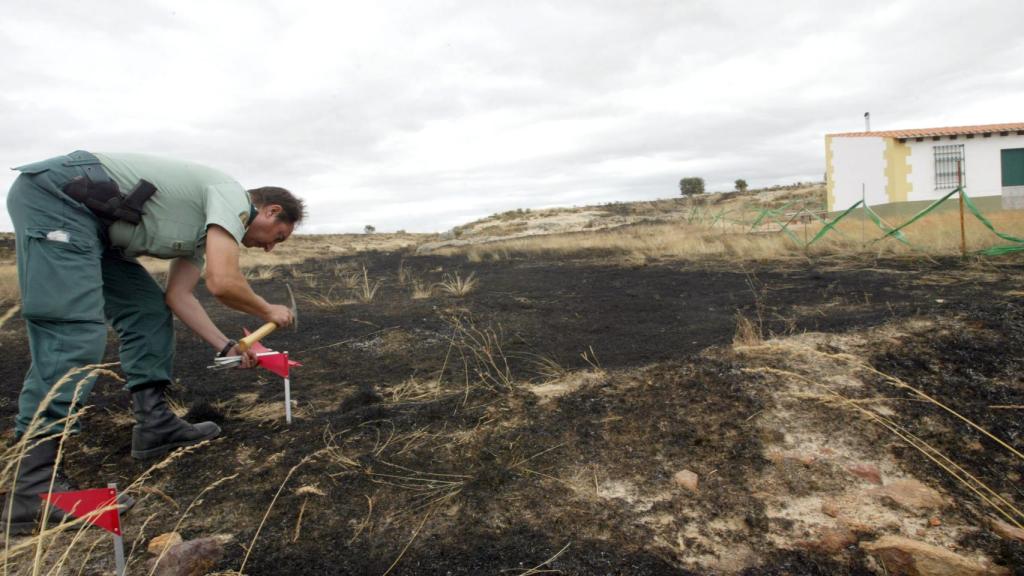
280 315
249 358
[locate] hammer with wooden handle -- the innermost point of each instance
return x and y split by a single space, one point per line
260 333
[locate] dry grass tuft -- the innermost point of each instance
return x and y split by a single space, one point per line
455 285
403 274
413 390
421 290
262 273
328 300
481 349
366 290
747 334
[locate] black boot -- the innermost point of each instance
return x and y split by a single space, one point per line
22 508
158 430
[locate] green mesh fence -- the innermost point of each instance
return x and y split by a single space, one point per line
829 226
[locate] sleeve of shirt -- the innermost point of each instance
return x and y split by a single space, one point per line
227 206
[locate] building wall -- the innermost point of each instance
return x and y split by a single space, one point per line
893 171
897 170
856 162
982 165
830 180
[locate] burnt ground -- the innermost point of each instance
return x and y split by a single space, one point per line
542 417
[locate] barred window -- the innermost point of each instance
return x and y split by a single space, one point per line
949 161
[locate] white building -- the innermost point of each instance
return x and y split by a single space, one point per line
924 164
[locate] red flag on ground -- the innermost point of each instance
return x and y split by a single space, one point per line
87 504
278 363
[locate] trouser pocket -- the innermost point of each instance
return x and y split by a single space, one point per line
60 275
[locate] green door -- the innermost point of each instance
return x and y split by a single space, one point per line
1013 167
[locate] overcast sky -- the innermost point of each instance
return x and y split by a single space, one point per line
422 115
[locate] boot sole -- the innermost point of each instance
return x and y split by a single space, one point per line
163 450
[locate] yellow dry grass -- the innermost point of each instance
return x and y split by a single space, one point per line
9 292
456 285
301 247
421 290
937 234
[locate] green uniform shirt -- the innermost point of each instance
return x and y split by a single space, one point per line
189 198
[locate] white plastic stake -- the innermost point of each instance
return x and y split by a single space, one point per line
287 396
287 401
118 539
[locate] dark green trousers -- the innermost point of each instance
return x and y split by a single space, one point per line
71 285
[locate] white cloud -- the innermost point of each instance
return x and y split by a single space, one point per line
421 115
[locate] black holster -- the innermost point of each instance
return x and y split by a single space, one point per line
107 202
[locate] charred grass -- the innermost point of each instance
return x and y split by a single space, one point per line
536 423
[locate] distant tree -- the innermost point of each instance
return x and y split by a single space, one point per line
741 185
369 229
691 186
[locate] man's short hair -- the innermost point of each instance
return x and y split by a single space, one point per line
293 209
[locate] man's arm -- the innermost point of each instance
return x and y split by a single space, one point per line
181 281
180 298
225 281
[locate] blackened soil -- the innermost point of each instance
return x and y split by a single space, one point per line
479 475
973 367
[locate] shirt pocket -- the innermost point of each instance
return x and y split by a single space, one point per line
63 279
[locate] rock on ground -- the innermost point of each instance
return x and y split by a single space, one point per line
868 472
1008 531
164 541
912 494
190 558
687 479
906 557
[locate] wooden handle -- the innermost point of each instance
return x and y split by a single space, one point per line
247 342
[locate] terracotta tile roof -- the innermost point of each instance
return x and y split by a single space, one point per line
948 131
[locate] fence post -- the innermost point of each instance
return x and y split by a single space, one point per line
863 213
960 186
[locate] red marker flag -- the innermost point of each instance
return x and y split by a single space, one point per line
278 363
97 506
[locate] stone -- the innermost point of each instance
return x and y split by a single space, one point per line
911 494
806 458
905 557
189 558
830 508
835 540
934 521
166 540
1008 531
687 479
868 472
